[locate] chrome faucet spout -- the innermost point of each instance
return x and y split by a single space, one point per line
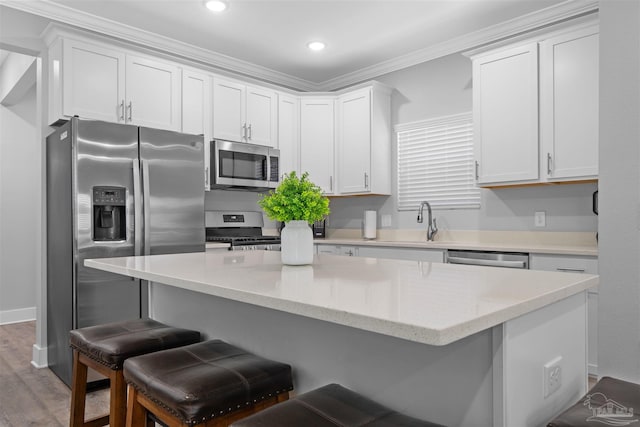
432 229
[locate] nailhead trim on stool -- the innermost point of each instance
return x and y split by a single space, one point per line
194 384
330 406
620 395
104 348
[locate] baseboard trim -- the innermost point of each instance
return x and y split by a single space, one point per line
592 369
18 315
39 357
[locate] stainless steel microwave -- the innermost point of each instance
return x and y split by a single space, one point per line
244 166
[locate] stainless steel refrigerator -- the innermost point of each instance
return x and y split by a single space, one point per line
114 190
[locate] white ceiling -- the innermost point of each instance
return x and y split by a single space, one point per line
272 34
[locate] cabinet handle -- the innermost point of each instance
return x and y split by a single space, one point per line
366 180
206 176
548 163
331 183
244 131
249 131
130 111
477 168
122 110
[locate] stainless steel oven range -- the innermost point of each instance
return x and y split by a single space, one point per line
242 230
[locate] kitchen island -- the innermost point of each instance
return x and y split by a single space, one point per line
457 345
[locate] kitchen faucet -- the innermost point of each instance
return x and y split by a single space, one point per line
432 229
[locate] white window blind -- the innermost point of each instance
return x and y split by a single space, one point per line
436 163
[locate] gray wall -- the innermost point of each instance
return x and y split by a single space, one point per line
19 205
619 304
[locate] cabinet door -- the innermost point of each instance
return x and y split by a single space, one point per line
229 110
317 141
288 133
93 82
431 255
354 141
153 93
196 111
505 110
262 122
569 105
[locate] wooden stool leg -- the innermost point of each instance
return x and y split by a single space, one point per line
78 392
136 413
118 396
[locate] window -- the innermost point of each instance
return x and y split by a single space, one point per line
436 163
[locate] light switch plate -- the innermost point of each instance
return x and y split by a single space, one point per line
540 219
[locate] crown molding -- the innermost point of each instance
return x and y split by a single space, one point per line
86 21
564 11
535 20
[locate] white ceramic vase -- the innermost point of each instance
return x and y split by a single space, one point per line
296 241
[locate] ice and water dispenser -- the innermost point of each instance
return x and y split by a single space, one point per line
109 214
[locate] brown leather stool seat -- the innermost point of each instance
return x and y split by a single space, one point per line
104 348
610 402
331 406
210 383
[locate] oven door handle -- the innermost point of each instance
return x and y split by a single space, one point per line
486 262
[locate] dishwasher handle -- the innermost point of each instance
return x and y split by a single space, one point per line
487 262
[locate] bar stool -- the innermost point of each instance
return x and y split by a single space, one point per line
331 406
104 348
210 384
610 402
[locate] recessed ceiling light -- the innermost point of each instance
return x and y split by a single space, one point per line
316 46
216 5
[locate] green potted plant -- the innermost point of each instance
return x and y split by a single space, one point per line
297 202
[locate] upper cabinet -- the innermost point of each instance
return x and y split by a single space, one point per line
244 113
196 111
505 115
363 139
96 82
317 124
569 105
289 133
527 133
153 90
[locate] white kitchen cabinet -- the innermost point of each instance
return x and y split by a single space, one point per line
244 113
569 81
526 133
431 255
288 133
505 115
576 264
92 82
153 93
196 111
102 83
317 141
363 139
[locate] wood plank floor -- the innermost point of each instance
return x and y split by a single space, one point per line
31 396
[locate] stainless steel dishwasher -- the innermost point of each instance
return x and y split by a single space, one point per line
489 258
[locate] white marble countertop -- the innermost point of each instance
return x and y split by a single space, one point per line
430 303
566 249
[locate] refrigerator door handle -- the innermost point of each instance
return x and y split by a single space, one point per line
147 208
137 210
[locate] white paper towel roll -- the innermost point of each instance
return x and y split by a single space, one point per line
370 224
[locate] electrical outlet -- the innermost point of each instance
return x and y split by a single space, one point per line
540 219
386 220
552 376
